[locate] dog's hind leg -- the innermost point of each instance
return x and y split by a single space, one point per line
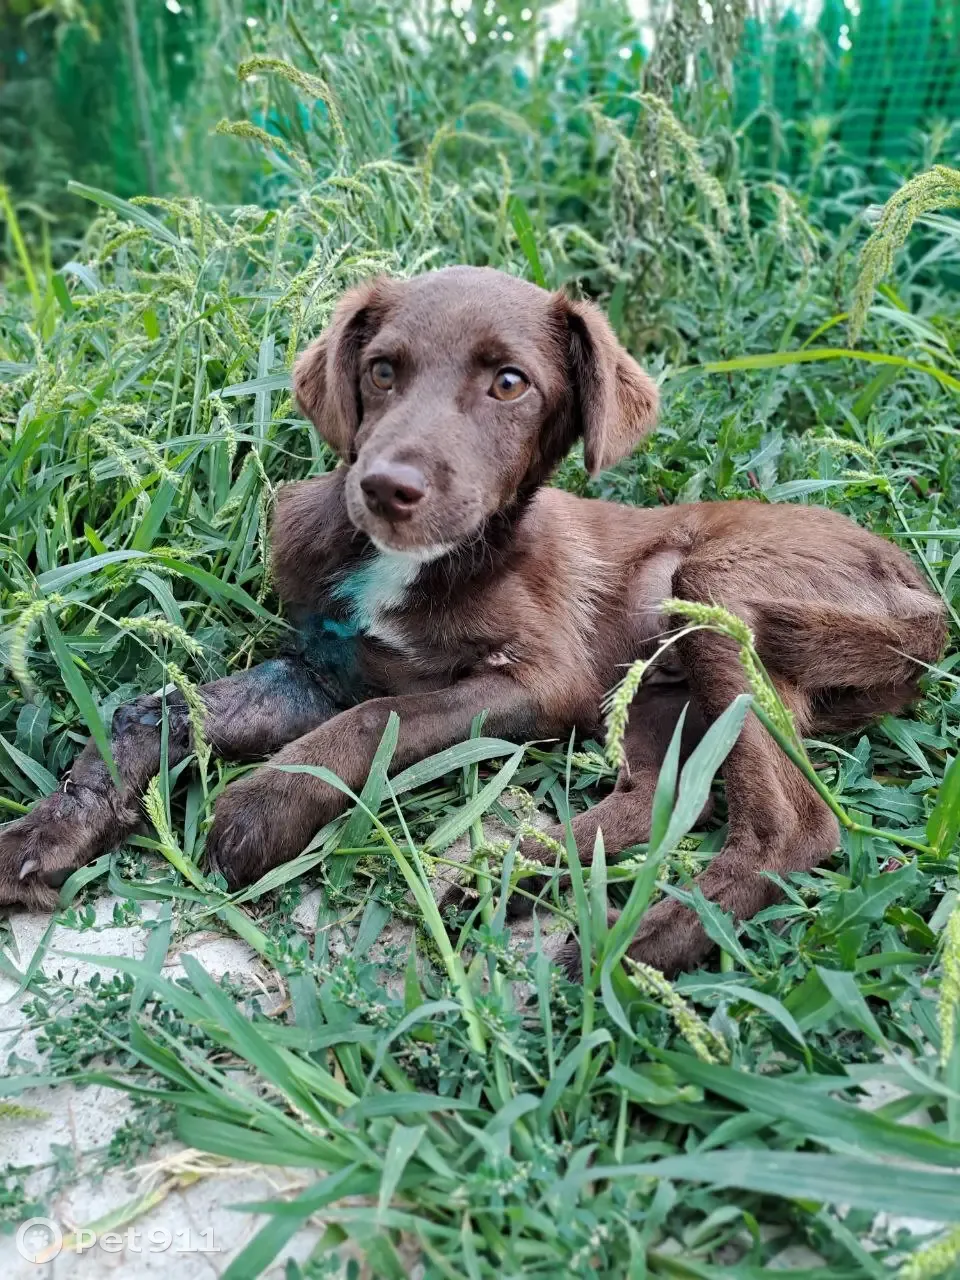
247 715
835 668
776 821
624 815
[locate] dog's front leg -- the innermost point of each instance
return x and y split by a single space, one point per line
249 714
269 817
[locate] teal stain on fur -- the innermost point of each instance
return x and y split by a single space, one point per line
353 590
331 645
330 648
287 678
338 630
377 585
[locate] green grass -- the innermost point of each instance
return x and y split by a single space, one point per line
477 1113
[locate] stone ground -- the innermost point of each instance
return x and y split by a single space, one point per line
178 1203
179 1197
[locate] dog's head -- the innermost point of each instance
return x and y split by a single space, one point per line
451 393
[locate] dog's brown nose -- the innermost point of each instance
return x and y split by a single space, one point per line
393 489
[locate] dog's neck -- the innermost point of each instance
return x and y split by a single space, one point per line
367 584
476 559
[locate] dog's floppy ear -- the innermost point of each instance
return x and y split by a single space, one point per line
326 377
617 401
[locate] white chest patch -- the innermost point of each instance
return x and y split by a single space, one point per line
377 587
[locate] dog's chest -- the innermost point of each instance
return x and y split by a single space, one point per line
360 607
375 590
367 604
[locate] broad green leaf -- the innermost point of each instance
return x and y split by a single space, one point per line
598 890
526 238
801 488
790 1100
57 580
643 1088
769 1004
257 386
701 768
156 953
357 826
134 212
255 1258
448 761
405 1104
149 528
217 587
795 1175
899 733
869 900
41 778
872 391
400 1151
843 987
24 447
77 688
568 1067
421 1013
665 792
460 820
814 355
943 825
719 926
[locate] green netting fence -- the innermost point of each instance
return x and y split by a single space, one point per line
872 72
105 90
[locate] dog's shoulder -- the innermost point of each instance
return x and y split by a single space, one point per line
310 536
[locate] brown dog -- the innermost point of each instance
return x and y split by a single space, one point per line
434 576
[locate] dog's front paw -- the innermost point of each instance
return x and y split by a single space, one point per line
457 898
259 823
671 938
40 850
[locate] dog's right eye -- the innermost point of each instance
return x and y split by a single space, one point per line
381 375
509 384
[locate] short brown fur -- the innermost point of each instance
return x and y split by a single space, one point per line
481 590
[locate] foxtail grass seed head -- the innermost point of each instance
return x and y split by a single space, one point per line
18 641
618 713
841 444
529 832
934 1259
15 1111
949 1001
196 712
163 629
252 133
591 762
704 1042
938 188
157 813
491 851
710 615
312 87
522 802
716 618
680 149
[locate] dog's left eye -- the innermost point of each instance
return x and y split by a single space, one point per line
381 374
509 384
